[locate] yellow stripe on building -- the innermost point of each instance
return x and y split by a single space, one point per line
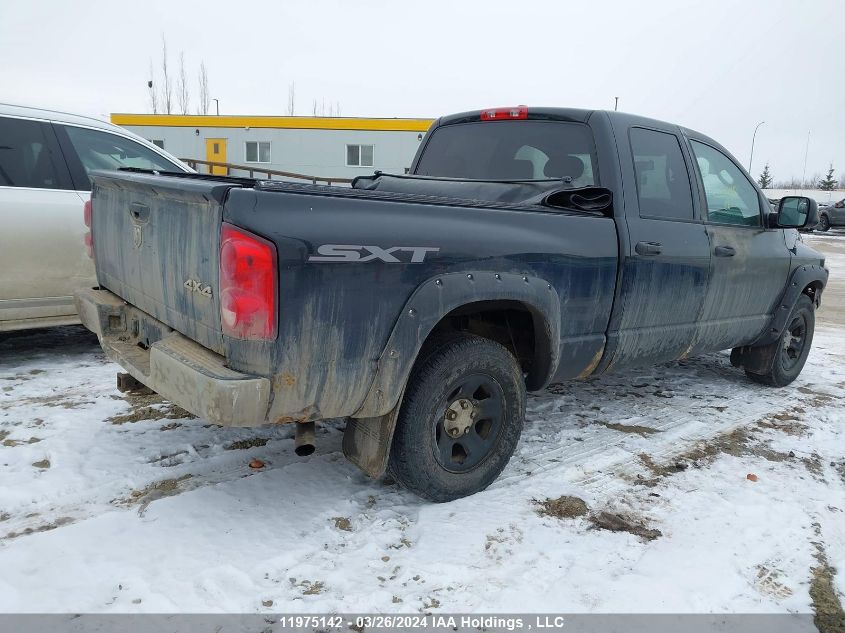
278 122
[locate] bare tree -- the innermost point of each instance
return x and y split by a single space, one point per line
291 99
204 95
319 109
167 82
183 94
152 90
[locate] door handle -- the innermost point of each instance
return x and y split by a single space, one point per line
725 251
648 248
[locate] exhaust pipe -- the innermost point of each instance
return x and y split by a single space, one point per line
304 439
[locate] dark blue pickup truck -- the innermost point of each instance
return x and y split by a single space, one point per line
525 246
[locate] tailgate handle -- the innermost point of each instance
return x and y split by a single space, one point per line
648 248
139 213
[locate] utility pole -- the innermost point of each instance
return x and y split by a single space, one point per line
616 105
753 138
217 105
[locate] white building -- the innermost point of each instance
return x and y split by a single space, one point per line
324 147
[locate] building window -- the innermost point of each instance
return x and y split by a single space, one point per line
258 151
157 142
359 155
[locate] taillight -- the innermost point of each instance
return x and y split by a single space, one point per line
87 215
247 284
500 114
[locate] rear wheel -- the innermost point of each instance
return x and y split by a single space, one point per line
824 223
790 351
460 421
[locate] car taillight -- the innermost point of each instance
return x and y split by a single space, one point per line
500 114
87 217
247 284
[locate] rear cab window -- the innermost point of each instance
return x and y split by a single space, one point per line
512 150
30 156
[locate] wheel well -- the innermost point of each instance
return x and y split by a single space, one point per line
513 324
813 290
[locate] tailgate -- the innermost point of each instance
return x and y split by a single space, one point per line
157 244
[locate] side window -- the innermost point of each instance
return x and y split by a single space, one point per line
257 152
663 186
101 150
359 155
731 199
28 157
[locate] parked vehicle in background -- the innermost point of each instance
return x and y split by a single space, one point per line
832 215
45 158
526 246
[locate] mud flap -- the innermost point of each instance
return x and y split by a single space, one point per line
757 360
366 441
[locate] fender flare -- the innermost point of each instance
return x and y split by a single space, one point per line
800 278
440 295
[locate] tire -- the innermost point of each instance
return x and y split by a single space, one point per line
789 352
824 223
443 451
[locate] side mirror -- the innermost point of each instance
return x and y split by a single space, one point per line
796 212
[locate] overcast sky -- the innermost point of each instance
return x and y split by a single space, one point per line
718 66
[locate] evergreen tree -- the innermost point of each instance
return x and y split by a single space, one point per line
765 180
828 183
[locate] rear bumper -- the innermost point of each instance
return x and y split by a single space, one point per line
179 369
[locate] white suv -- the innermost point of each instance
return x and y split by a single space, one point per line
45 158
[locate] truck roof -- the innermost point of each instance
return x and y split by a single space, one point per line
566 114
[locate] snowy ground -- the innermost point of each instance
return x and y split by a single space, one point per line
122 504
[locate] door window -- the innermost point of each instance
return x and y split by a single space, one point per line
102 150
28 157
731 198
663 186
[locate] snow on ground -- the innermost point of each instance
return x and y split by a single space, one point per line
120 504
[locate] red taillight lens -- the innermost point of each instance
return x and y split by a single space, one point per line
501 114
247 284
89 239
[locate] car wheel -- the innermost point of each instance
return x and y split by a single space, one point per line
460 419
789 352
824 223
